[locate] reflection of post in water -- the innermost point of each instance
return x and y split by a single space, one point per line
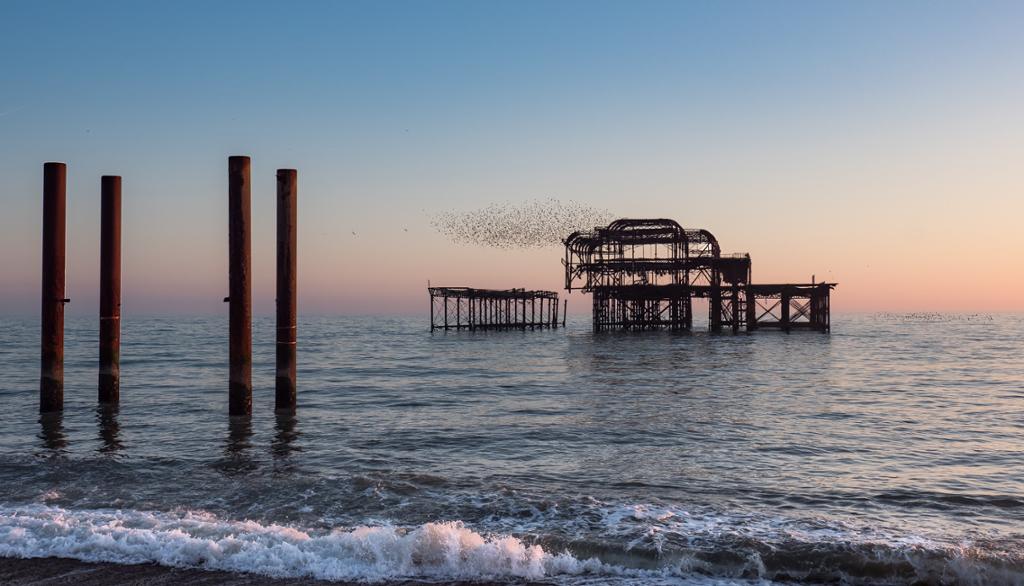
52 431
239 434
285 435
109 428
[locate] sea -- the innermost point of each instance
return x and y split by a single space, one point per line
888 451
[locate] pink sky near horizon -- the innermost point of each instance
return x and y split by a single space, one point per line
887 256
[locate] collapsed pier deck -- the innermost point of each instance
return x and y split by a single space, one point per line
467 308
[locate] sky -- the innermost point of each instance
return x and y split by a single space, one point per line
879 145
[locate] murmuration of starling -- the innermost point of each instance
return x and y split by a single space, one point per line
513 225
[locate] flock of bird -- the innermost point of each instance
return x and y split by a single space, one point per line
530 224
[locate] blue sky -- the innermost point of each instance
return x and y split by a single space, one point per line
789 129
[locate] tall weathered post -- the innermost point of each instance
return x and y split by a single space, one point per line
51 372
110 290
240 287
287 180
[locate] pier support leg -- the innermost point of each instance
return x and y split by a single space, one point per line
110 291
240 285
287 298
751 311
715 308
735 309
688 310
51 372
784 311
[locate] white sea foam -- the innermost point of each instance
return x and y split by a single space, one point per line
445 550
693 538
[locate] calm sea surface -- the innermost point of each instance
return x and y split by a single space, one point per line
889 451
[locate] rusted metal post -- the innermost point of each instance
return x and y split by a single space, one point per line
51 372
240 285
110 290
287 301
565 310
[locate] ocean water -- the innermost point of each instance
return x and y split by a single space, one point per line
890 451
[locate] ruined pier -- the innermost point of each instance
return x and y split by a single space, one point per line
467 308
645 273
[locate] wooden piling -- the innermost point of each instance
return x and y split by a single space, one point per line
110 290
51 372
287 187
240 287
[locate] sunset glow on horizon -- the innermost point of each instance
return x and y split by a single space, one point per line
878 146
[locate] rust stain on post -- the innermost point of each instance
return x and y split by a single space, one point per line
285 394
110 290
51 373
240 287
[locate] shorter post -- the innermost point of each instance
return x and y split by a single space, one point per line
285 394
110 290
565 310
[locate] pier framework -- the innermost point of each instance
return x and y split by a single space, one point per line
467 308
645 273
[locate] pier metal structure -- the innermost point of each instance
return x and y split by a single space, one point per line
467 308
644 274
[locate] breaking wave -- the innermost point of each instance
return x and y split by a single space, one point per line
445 550
453 551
